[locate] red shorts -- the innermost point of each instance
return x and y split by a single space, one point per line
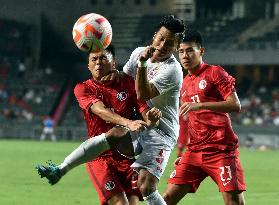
223 167
111 176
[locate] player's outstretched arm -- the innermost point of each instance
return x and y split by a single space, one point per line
106 114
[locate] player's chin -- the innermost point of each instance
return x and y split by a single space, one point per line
161 56
186 65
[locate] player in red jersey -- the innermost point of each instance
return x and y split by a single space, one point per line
105 104
208 95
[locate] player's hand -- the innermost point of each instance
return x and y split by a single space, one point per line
137 125
176 161
148 53
189 106
113 75
153 117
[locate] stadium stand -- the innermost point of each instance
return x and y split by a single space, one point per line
26 94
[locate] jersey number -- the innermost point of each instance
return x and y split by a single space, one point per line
195 99
226 173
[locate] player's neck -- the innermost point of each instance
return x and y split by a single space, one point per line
194 69
152 60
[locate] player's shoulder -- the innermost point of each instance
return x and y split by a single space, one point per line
216 68
173 67
138 51
125 77
216 72
82 87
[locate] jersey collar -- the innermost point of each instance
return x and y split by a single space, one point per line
199 70
106 84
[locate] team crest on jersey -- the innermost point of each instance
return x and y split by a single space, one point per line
109 185
202 84
121 96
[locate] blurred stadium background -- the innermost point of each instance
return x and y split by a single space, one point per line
39 65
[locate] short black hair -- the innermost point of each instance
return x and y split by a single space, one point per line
173 24
110 49
192 35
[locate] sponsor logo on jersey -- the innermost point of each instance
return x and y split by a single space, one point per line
202 84
109 185
121 96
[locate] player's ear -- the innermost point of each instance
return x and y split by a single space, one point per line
202 50
113 64
177 47
154 35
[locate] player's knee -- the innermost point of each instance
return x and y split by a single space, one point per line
167 197
147 186
116 132
234 198
146 190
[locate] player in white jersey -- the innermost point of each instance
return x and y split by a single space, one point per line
166 77
158 78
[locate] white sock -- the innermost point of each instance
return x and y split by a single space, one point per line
155 199
87 151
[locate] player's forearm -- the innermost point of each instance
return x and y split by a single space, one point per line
142 84
224 106
112 117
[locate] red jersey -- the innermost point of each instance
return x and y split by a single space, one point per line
183 137
209 130
119 97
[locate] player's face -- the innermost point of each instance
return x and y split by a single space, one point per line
100 64
165 42
190 56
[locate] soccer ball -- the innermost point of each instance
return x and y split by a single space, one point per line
92 33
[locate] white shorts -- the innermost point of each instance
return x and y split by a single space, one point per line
48 130
153 151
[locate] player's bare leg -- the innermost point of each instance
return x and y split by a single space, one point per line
133 200
118 199
175 192
147 184
122 199
233 198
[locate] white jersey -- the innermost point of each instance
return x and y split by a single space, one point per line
167 77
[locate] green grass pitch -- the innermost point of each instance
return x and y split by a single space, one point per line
21 185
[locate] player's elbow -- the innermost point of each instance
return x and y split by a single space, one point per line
237 107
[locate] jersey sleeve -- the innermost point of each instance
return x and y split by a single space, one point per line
169 78
85 96
130 68
223 81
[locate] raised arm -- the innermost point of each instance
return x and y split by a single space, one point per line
145 90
